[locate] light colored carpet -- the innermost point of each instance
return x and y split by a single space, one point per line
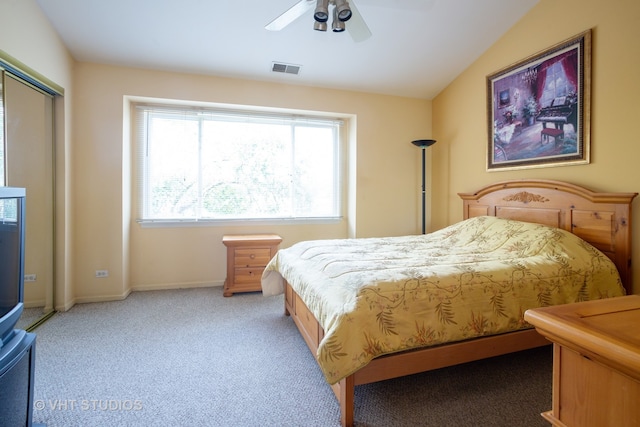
192 357
29 317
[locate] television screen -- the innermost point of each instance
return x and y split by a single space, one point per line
12 215
9 255
10 242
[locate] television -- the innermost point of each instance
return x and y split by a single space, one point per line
17 347
12 232
17 370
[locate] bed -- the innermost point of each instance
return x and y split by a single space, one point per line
406 288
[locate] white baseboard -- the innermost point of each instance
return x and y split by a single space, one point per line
166 286
137 288
101 298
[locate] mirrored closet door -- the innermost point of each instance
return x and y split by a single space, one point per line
29 163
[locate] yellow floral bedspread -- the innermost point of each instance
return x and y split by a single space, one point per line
377 296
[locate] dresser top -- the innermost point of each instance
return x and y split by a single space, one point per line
607 329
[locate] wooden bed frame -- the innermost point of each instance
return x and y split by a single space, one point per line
602 219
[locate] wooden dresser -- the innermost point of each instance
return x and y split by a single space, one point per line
247 256
596 361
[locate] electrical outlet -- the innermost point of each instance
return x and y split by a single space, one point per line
102 273
29 277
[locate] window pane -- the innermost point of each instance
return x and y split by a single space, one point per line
245 170
315 157
199 164
172 166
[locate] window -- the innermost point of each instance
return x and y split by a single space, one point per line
556 84
206 164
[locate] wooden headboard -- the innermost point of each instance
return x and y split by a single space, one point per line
602 219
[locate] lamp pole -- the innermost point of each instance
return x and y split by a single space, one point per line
423 144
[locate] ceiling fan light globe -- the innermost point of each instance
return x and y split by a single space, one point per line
321 14
343 10
321 17
337 25
320 26
344 17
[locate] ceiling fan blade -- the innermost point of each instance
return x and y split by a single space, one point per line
357 28
293 13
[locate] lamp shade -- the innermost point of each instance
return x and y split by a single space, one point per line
423 143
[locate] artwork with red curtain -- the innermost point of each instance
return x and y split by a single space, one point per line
536 108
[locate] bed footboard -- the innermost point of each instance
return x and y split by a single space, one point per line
407 362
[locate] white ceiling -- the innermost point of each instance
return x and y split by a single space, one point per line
417 48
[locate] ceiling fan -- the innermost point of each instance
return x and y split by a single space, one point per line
343 11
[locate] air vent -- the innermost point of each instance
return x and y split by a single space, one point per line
279 67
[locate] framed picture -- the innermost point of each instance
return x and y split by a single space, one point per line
539 108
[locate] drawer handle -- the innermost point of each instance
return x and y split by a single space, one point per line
252 256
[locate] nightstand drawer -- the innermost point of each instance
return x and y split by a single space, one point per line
248 275
252 257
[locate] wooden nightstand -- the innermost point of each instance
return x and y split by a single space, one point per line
247 256
596 361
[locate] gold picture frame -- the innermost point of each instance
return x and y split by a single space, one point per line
539 109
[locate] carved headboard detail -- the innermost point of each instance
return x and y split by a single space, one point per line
602 219
525 197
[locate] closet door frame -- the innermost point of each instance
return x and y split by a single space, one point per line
14 69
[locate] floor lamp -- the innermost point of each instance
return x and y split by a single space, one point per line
423 144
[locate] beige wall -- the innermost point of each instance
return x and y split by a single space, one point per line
96 232
385 166
460 118
94 220
27 36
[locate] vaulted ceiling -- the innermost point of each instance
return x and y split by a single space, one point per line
416 47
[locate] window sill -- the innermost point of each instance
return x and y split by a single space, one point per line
235 222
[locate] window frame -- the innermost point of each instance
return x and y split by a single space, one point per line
235 112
